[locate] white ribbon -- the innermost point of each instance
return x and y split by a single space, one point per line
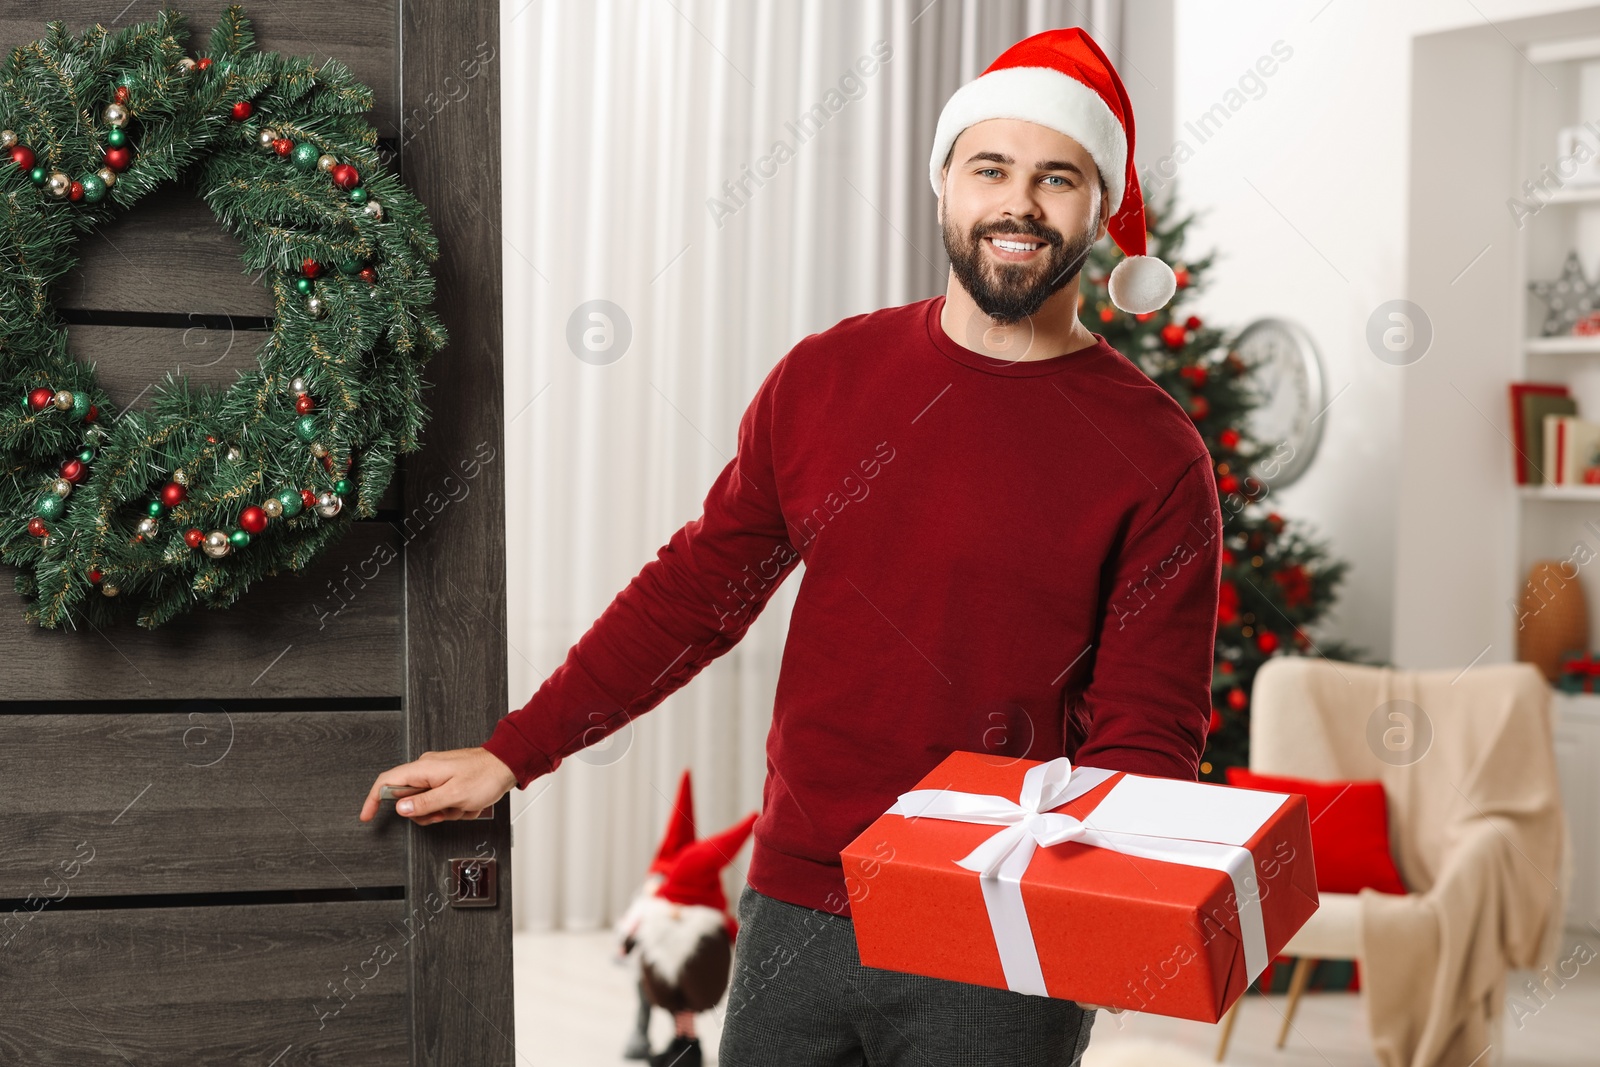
1028 823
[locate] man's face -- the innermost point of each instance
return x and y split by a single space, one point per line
1012 179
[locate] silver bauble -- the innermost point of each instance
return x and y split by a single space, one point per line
8 138
329 505
107 175
62 400
187 65
234 454
319 449
148 526
315 307
216 545
115 115
58 184
109 589
297 386
272 506
266 137
180 476
61 487
373 211
326 162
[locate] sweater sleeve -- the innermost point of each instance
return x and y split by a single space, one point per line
1148 702
687 606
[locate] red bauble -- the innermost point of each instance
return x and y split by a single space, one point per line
1228 483
1145 317
252 519
194 538
118 158
242 110
1216 721
1227 555
75 191
40 398
1192 322
121 95
369 275
1173 335
309 268
1227 603
72 470
304 404
1229 438
345 176
37 527
172 494
1275 519
22 156
95 575
1199 407
204 63
1237 700
1107 313
283 146
1226 667
307 497
1267 641
94 413
1182 275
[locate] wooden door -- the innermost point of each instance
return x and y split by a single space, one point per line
183 877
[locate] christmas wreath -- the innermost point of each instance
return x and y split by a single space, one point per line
194 498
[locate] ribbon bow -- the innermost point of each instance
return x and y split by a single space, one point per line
1028 822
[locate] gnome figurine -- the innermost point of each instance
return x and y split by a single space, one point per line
679 931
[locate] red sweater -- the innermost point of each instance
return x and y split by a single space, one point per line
1011 557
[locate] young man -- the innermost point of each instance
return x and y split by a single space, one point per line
1012 541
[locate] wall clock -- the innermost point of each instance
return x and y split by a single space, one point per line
1293 390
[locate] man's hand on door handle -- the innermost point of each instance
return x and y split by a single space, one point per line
457 784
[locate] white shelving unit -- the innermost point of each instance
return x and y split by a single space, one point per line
1561 87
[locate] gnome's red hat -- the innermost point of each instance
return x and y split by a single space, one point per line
680 828
1061 79
695 876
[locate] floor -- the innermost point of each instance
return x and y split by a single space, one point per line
576 1005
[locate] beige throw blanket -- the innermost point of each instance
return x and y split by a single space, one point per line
1476 829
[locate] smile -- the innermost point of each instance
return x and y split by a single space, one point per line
1014 248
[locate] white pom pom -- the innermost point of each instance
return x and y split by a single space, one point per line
1141 284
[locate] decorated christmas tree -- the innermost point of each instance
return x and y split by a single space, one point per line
1277 581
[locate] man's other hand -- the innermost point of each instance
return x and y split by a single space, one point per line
457 784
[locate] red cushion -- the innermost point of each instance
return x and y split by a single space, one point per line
1349 830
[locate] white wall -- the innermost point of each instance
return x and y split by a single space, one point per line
1304 192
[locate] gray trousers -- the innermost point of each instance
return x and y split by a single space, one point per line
799 997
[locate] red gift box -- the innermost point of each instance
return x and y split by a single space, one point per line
1141 893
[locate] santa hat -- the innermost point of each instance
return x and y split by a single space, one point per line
695 875
1061 79
680 828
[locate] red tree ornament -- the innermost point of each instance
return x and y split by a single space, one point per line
22 156
253 519
121 95
95 575
73 471
345 176
203 63
369 275
172 494
75 191
283 146
1237 699
40 398
1229 438
1199 407
308 498
304 404
118 158
309 267
242 109
194 538
1174 336
37 527
1267 641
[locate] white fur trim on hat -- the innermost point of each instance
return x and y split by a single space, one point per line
1047 97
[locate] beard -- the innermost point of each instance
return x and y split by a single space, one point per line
1011 292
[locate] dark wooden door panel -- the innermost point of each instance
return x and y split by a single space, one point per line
364 35
292 985
333 630
198 800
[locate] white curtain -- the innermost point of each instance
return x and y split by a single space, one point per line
625 123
